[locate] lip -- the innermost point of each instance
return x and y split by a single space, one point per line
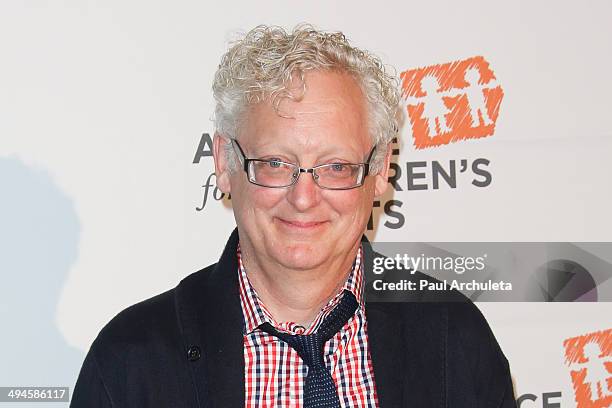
305 225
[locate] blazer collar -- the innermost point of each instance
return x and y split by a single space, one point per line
384 340
209 309
210 317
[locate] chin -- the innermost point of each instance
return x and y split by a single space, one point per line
300 255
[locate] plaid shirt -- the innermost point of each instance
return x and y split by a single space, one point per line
274 372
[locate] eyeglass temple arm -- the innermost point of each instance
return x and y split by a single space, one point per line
245 161
366 170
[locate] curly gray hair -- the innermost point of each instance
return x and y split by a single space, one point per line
265 62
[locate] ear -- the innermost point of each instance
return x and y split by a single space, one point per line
222 170
381 182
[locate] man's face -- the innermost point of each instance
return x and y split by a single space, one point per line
304 226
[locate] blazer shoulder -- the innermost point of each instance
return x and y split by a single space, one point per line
152 319
198 278
139 322
139 348
466 319
469 329
125 348
476 350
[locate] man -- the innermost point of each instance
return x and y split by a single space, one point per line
304 122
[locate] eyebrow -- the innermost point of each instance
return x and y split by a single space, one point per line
292 150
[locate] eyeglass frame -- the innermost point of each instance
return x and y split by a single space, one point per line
246 160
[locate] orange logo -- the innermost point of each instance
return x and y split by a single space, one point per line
589 358
450 102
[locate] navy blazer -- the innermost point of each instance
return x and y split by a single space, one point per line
184 348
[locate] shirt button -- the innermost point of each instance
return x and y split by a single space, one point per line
193 353
299 329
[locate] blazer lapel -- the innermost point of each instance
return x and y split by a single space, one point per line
408 349
386 352
385 343
407 338
211 317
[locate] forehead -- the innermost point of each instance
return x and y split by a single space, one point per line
331 116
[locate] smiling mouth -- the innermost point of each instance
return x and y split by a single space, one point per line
301 224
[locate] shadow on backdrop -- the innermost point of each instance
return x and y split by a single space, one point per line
39 236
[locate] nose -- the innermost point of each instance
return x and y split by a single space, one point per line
304 194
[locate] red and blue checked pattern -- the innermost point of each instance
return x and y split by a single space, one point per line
274 372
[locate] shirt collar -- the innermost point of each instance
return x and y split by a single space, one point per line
255 312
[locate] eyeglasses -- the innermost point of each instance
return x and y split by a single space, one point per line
275 173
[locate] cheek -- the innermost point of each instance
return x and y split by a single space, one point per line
250 201
350 203
262 198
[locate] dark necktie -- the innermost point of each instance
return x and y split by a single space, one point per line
319 388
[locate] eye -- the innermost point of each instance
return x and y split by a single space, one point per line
274 163
338 167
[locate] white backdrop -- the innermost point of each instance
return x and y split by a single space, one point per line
103 104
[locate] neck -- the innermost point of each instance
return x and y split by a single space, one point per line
292 295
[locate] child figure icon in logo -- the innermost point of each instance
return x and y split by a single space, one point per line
596 372
475 96
434 108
